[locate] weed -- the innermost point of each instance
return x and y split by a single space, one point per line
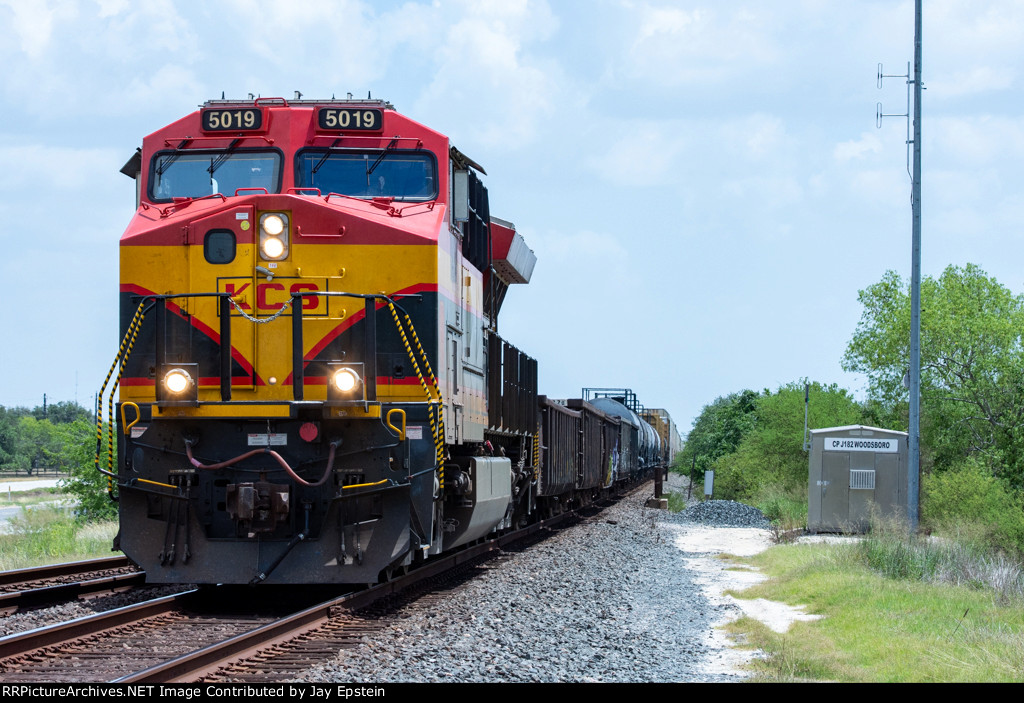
676 502
890 550
48 534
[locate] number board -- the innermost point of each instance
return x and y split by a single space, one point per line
346 118
232 119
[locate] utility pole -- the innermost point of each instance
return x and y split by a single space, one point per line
914 439
913 378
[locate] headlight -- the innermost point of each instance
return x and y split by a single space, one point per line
273 225
273 236
273 247
177 381
345 380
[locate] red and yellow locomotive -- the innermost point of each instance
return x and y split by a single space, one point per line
312 389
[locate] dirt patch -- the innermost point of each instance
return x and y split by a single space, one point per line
703 544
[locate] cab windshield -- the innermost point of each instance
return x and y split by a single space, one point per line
193 174
402 175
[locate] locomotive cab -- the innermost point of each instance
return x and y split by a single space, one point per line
312 388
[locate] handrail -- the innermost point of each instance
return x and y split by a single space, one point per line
183 141
435 403
124 420
387 421
378 137
224 331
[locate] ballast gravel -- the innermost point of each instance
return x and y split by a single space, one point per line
613 599
724 513
610 600
44 617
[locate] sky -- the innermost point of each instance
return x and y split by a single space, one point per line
703 183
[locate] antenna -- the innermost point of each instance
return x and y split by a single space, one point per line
807 406
298 95
878 107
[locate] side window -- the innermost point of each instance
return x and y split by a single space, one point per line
219 246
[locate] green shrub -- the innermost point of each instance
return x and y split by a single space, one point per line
676 502
896 557
84 482
785 508
891 551
971 503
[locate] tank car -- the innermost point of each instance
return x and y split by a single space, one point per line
311 384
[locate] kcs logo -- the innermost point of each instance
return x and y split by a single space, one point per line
272 295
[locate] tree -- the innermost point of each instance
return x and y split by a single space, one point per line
972 365
771 453
718 430
87 484
35 445
61 412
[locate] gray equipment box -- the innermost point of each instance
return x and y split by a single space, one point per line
855 470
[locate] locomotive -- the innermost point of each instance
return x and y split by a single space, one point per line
311 384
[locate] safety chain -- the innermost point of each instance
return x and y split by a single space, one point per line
123 352
536 451
260 320
437 390
436 427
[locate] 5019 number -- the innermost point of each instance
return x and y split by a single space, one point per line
220 120
345 118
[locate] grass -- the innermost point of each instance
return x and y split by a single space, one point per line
880 629
786 509
960 562
676 502
48 534
31 497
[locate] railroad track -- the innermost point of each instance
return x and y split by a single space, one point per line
227 634
47 585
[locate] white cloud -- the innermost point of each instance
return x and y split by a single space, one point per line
961 26
981 79
761 135
581 247
869 143
145 92
879 187
673 46
33 22
78 56
765 192
109 8
483 64
644 155
53 169
976 139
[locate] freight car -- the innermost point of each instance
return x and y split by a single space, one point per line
311 384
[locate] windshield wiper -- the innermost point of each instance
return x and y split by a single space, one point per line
172 158
214 165
325 156
389 147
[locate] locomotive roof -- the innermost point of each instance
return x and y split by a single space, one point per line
285 102
462 159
